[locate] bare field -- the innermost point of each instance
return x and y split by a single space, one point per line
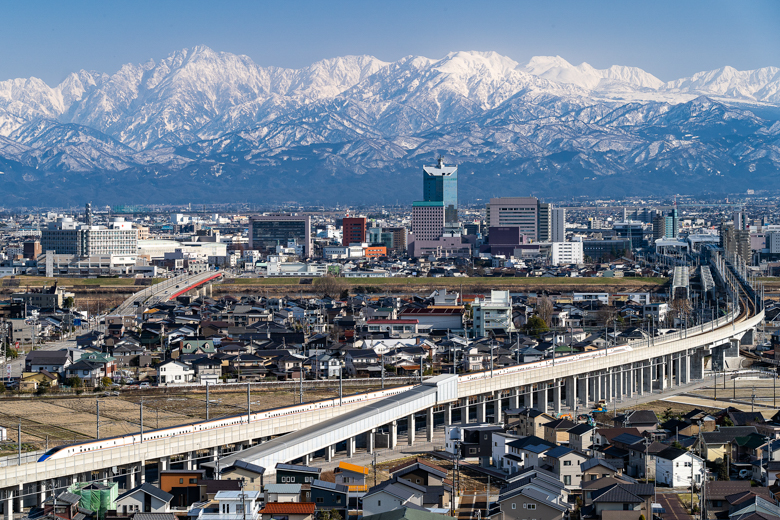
66 419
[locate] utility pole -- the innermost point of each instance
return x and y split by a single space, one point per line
97 406
142 419
243 496
300 376
208 401
19 440
248 405
375 465
753 399
341 387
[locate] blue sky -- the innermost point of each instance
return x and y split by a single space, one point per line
669 39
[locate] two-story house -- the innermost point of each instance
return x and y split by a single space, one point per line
678 468
581 437
565 463
529 422
173 372
329 496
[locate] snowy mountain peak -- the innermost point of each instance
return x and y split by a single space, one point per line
555 68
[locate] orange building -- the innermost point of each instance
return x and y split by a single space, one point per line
375 251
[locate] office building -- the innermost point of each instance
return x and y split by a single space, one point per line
564 253
435 227
740 221
68 237
393 238
32 249
440 184
428 220
672 224
353 230
659 226
505 239
399 238
643 215
538 221
631 230
544 223
520 212
736 240
600 250
558 225
269 231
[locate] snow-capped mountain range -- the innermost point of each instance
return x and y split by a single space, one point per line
206 125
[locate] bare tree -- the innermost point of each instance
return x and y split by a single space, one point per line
681 309
607 314
544 308
329 285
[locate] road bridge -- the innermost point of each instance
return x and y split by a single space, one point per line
166 290
574 381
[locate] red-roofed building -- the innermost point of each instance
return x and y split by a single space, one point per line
441 318
288 511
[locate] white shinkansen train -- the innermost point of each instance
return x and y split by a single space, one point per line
62 452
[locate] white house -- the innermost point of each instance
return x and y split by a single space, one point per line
232 504
174 372
500 449
676 467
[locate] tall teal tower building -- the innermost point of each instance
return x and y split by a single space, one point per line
440 184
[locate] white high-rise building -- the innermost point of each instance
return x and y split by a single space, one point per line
67 237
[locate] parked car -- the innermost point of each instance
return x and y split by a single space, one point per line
744 473
144 385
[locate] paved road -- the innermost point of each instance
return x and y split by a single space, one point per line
674 508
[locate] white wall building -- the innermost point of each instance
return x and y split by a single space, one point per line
563 253
676 468
492 313
174 372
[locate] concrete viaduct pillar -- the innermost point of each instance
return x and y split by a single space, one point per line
481 410
370 440
571 392
464 411
697 364
429 424
541 397
447 414
583 393
410 428
514 399
350 447
528 396
497 412
329 453
393 435
556 396
8 505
